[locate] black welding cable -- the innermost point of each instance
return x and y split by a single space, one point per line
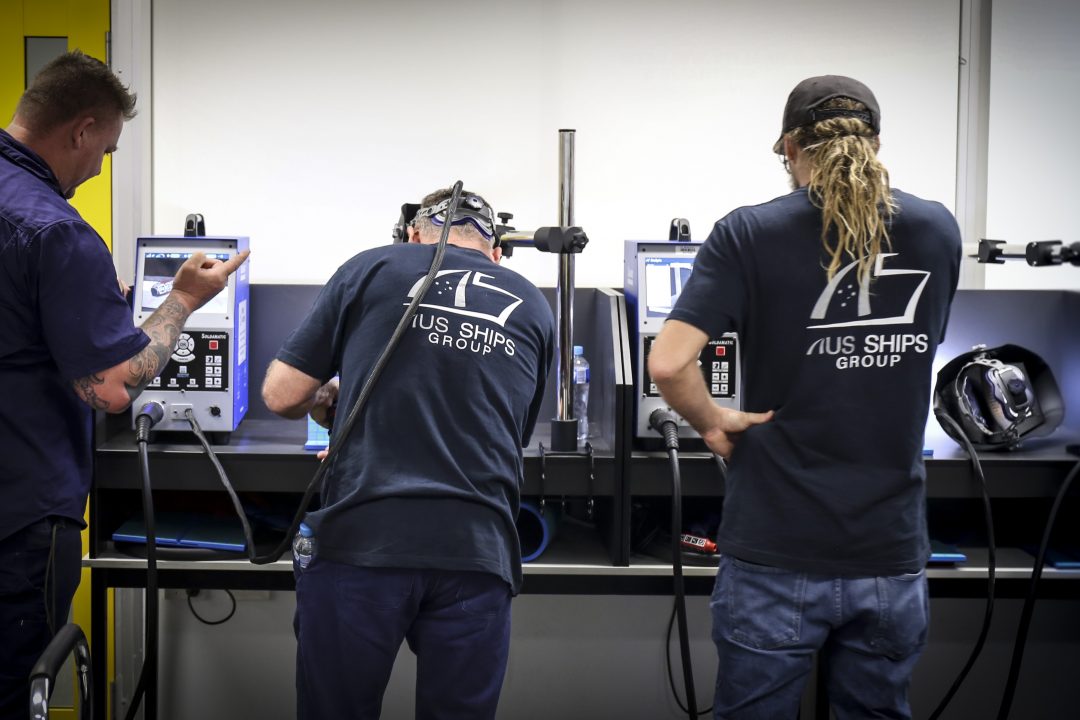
1029 601
204 621
341 432
991 553
664 423
680 586
670 671
146 688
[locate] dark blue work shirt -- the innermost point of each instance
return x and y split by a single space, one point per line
834 484
431 474
62 317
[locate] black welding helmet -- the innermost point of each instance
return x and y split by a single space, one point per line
998 396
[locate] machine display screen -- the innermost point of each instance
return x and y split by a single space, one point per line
158 270
665 276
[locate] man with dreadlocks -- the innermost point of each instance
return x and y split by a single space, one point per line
840 293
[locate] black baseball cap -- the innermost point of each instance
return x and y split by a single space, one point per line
804 104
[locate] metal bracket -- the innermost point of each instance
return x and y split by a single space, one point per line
590 502
543 479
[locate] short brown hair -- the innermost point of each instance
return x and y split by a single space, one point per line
70 86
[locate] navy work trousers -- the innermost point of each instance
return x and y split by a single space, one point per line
29 580
350 622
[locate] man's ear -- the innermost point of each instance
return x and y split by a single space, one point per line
791 149
412 234
79 130
496 254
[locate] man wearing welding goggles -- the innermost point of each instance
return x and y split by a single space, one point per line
415 539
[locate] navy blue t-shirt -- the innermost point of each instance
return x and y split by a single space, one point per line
835 482
431 474
62 317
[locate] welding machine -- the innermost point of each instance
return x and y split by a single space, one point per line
655 273
208 372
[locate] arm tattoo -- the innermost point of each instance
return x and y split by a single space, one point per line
164 328
85 387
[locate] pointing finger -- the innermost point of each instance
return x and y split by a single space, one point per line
236 261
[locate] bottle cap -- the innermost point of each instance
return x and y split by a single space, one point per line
305 531
579 350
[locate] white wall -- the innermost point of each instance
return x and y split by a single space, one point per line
307 125
1034 157
132 198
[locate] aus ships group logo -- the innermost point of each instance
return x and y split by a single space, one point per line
891 299
466 311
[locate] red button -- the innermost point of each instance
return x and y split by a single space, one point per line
721 351
213 344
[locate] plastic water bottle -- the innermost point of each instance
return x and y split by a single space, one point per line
581 393
303 546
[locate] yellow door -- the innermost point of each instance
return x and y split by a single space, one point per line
85 25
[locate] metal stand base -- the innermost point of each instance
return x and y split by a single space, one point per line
564 435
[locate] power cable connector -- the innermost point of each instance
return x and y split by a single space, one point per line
149 415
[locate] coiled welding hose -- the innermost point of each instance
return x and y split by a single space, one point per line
664 423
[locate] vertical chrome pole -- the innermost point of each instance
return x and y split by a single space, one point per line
564 290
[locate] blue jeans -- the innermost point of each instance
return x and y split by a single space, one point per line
769 622
350 622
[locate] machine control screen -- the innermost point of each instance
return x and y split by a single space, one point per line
665 277
159 269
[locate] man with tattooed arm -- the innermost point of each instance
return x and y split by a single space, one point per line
67 345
